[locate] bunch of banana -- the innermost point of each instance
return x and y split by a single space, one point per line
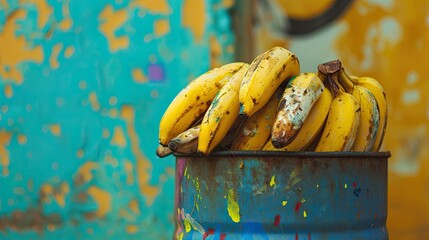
270 106
298 98
193 101
222 113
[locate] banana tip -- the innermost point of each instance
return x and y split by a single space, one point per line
277 143
243 116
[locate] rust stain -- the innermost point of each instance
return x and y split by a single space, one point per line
143 164
31 219
15 49
110 21
4 152
194 17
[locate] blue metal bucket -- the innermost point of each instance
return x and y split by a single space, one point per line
281 195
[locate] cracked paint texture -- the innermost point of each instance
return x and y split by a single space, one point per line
83 87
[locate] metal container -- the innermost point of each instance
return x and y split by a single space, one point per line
281 195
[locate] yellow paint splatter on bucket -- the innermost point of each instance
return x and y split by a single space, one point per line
233 207
273 181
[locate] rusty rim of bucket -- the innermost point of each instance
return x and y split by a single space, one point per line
290 154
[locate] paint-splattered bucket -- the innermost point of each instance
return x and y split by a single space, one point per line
280 195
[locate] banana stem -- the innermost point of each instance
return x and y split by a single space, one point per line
345 81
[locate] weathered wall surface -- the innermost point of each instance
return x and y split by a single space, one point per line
83 87
385 39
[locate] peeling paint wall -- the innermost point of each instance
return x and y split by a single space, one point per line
83 87
385 39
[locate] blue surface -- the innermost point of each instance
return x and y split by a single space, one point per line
281 197
83 87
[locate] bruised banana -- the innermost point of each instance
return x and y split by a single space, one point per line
369 114
341 125
221 114
186 142
162 151
298 98
257 129
378 92
311 127
193 101
265 75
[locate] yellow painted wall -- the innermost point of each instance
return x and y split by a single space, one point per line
387 40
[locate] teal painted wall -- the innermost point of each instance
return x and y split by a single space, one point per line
83 87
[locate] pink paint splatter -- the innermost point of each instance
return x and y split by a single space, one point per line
297 206
208 233
277 220
222 236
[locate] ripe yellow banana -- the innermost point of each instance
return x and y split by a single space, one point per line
377 90
369 114
186 142
342 124
257 129
193 101
311 127
298 98
162 151
265 75
222 113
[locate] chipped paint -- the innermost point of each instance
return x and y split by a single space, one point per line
110 22
194 9
67 82
103 200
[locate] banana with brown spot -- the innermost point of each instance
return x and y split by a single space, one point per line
342 123
300 95
312 125
186 142
369 114
378 92
257 129
265 75
162 151
222 113
193 101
